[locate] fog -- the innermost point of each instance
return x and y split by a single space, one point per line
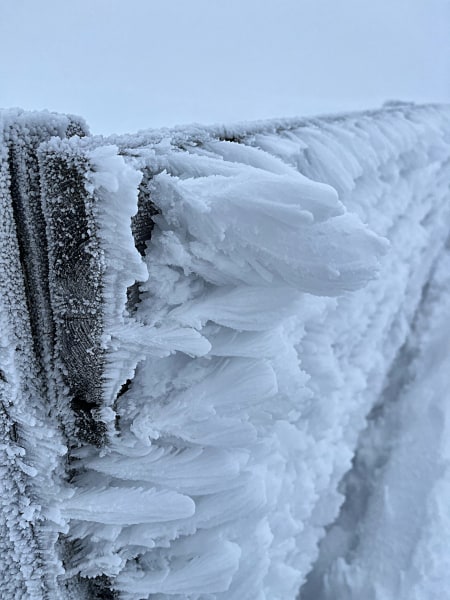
148 63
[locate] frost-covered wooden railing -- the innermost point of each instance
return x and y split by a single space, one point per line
207 318
34 409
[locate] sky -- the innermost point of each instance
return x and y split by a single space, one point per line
126 65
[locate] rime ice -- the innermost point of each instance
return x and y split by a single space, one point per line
231 316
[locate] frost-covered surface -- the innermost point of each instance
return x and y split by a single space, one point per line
221 375
391 536
32 445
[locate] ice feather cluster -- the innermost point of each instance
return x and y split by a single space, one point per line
238 317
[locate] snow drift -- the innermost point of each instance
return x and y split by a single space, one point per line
237 319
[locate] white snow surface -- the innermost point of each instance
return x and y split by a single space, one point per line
285 273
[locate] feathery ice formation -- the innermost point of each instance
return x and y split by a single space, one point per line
211 340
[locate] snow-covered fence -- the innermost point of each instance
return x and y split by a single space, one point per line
214 314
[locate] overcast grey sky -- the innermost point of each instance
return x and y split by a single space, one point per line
131 64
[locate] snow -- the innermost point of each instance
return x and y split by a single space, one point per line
112 185
254 402
394 551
